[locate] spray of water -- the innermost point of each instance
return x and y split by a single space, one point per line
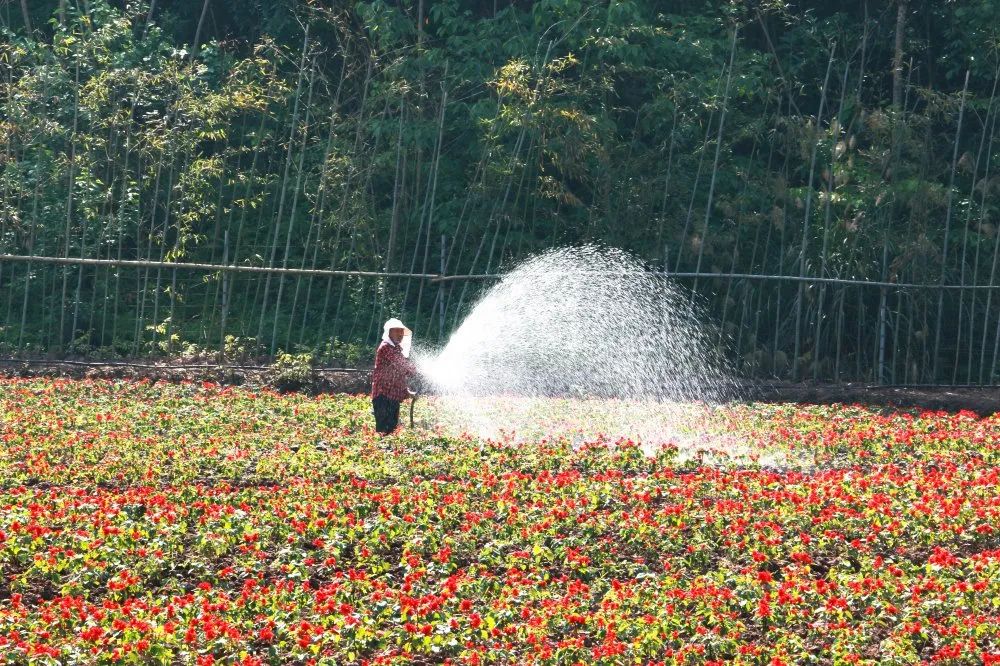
583 342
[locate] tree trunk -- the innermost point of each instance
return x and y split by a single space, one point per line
197 32
62 12
897 58
420 22
24 14
149 15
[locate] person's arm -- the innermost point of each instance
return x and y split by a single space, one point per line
408 366
405 365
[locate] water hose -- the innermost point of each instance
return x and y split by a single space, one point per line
414 394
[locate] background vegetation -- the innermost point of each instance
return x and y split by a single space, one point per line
848 140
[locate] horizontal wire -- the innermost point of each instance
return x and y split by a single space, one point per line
435 277
150 366
169 265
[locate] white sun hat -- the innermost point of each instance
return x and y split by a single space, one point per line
404 344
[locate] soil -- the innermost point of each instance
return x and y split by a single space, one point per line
326 380
983 400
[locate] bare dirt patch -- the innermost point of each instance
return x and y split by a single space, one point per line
984 400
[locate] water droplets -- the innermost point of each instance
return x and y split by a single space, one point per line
586 323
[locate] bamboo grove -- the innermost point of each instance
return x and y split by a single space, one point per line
833 162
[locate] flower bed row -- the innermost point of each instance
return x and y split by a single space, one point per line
175 524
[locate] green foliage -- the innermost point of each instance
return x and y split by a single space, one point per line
292 372
349 136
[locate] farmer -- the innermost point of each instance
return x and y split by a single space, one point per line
392 368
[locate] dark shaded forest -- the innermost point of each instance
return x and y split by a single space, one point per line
845 148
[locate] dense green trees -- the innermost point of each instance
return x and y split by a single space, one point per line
813 140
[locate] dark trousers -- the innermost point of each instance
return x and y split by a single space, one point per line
386 414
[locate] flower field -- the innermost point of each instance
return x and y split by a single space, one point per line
192 524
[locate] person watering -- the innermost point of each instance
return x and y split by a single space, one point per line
392 368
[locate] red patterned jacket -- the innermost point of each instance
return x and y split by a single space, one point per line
391 372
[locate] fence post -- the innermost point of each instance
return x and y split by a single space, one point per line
170 318
881 336
441 292
225 299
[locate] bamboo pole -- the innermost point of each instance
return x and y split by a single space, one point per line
859 345
32 237
69 202
108 208
441 293
238 246
163 249
897 58
356 236
859 94
976 271
694 188
747 300
225 299
947 230
715 163
666 185
284 188
499 206
345 194
963 263
882 314
805 221
496 206
320 210
908 364
434 182
736 244
9 157
79 278
993 273
32 240
171 318
478 180
294 209
258 248
137 336
828 209
209 316
781 258
366 187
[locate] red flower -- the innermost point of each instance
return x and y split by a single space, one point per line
92 634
